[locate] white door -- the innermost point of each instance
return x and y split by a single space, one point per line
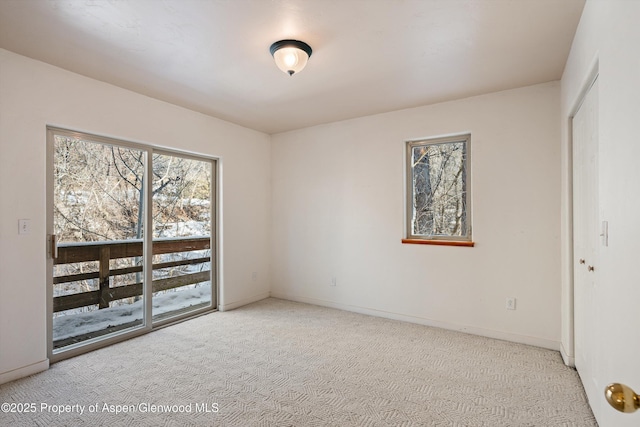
586 239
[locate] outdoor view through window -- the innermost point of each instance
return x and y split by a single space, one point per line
99 220
438 189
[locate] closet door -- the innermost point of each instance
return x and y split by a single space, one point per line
586 236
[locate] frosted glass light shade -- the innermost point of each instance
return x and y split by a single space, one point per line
291 56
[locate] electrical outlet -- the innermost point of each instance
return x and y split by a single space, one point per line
511 303
334 281
254 276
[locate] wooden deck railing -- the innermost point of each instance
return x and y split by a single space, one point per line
103 252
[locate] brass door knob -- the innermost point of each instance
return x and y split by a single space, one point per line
622 397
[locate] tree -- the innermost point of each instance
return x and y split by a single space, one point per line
439 189
99 196
99 192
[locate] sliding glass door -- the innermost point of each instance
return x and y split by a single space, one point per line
131 242
182 210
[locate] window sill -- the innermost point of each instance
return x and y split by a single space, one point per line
439 242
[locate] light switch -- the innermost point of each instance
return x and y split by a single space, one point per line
24 226
605 233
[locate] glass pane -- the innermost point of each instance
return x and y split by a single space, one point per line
98 221
439 189
182 213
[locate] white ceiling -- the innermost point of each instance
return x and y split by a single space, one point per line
369 56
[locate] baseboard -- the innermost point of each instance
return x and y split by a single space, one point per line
489 333
240 303
568 360
25 371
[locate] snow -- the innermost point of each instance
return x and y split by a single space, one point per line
184 229
81 323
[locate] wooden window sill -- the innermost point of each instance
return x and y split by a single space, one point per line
439 242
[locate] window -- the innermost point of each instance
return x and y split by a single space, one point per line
438 196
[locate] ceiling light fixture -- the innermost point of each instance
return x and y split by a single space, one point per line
291 56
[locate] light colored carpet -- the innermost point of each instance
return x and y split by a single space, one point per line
280 363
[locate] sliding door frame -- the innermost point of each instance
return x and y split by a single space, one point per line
213 243
147 324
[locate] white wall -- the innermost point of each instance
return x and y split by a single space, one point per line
338 211
608 33
34 95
